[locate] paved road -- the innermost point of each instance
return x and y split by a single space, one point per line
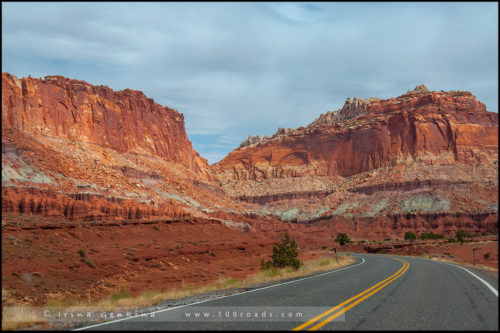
380 293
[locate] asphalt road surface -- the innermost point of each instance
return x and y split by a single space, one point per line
381 292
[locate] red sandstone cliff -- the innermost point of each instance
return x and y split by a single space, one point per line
433 127
126 121
427 156
76 151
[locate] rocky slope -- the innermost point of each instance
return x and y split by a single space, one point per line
81 152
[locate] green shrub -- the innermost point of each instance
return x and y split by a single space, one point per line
82 253
324 247
265 264
462 234
89 262
459 233
410 236
430 235
486 255
284 254
342 239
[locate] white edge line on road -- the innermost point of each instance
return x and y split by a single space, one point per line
489 286
213 299
493 290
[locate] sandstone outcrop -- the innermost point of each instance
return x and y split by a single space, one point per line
126 121
351 109
76 151
433 127
428 154
81 206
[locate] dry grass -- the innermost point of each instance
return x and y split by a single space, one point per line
122 300
149 298
19 317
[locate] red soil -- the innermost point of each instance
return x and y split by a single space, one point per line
40 259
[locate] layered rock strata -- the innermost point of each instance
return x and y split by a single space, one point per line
76 151
126 121
433 127
430 154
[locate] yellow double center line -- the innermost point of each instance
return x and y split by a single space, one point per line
351 302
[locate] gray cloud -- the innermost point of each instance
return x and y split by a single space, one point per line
235 69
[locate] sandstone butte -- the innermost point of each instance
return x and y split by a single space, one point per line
76 151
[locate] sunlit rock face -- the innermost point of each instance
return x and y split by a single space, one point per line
126 121
76 151
435 127
377 165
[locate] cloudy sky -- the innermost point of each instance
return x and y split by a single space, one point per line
235 69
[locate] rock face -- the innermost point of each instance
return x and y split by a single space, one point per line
377 166
419 89
81 206
433 127
75 151
126 121
351 109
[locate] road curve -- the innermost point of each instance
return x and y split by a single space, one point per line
382 292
